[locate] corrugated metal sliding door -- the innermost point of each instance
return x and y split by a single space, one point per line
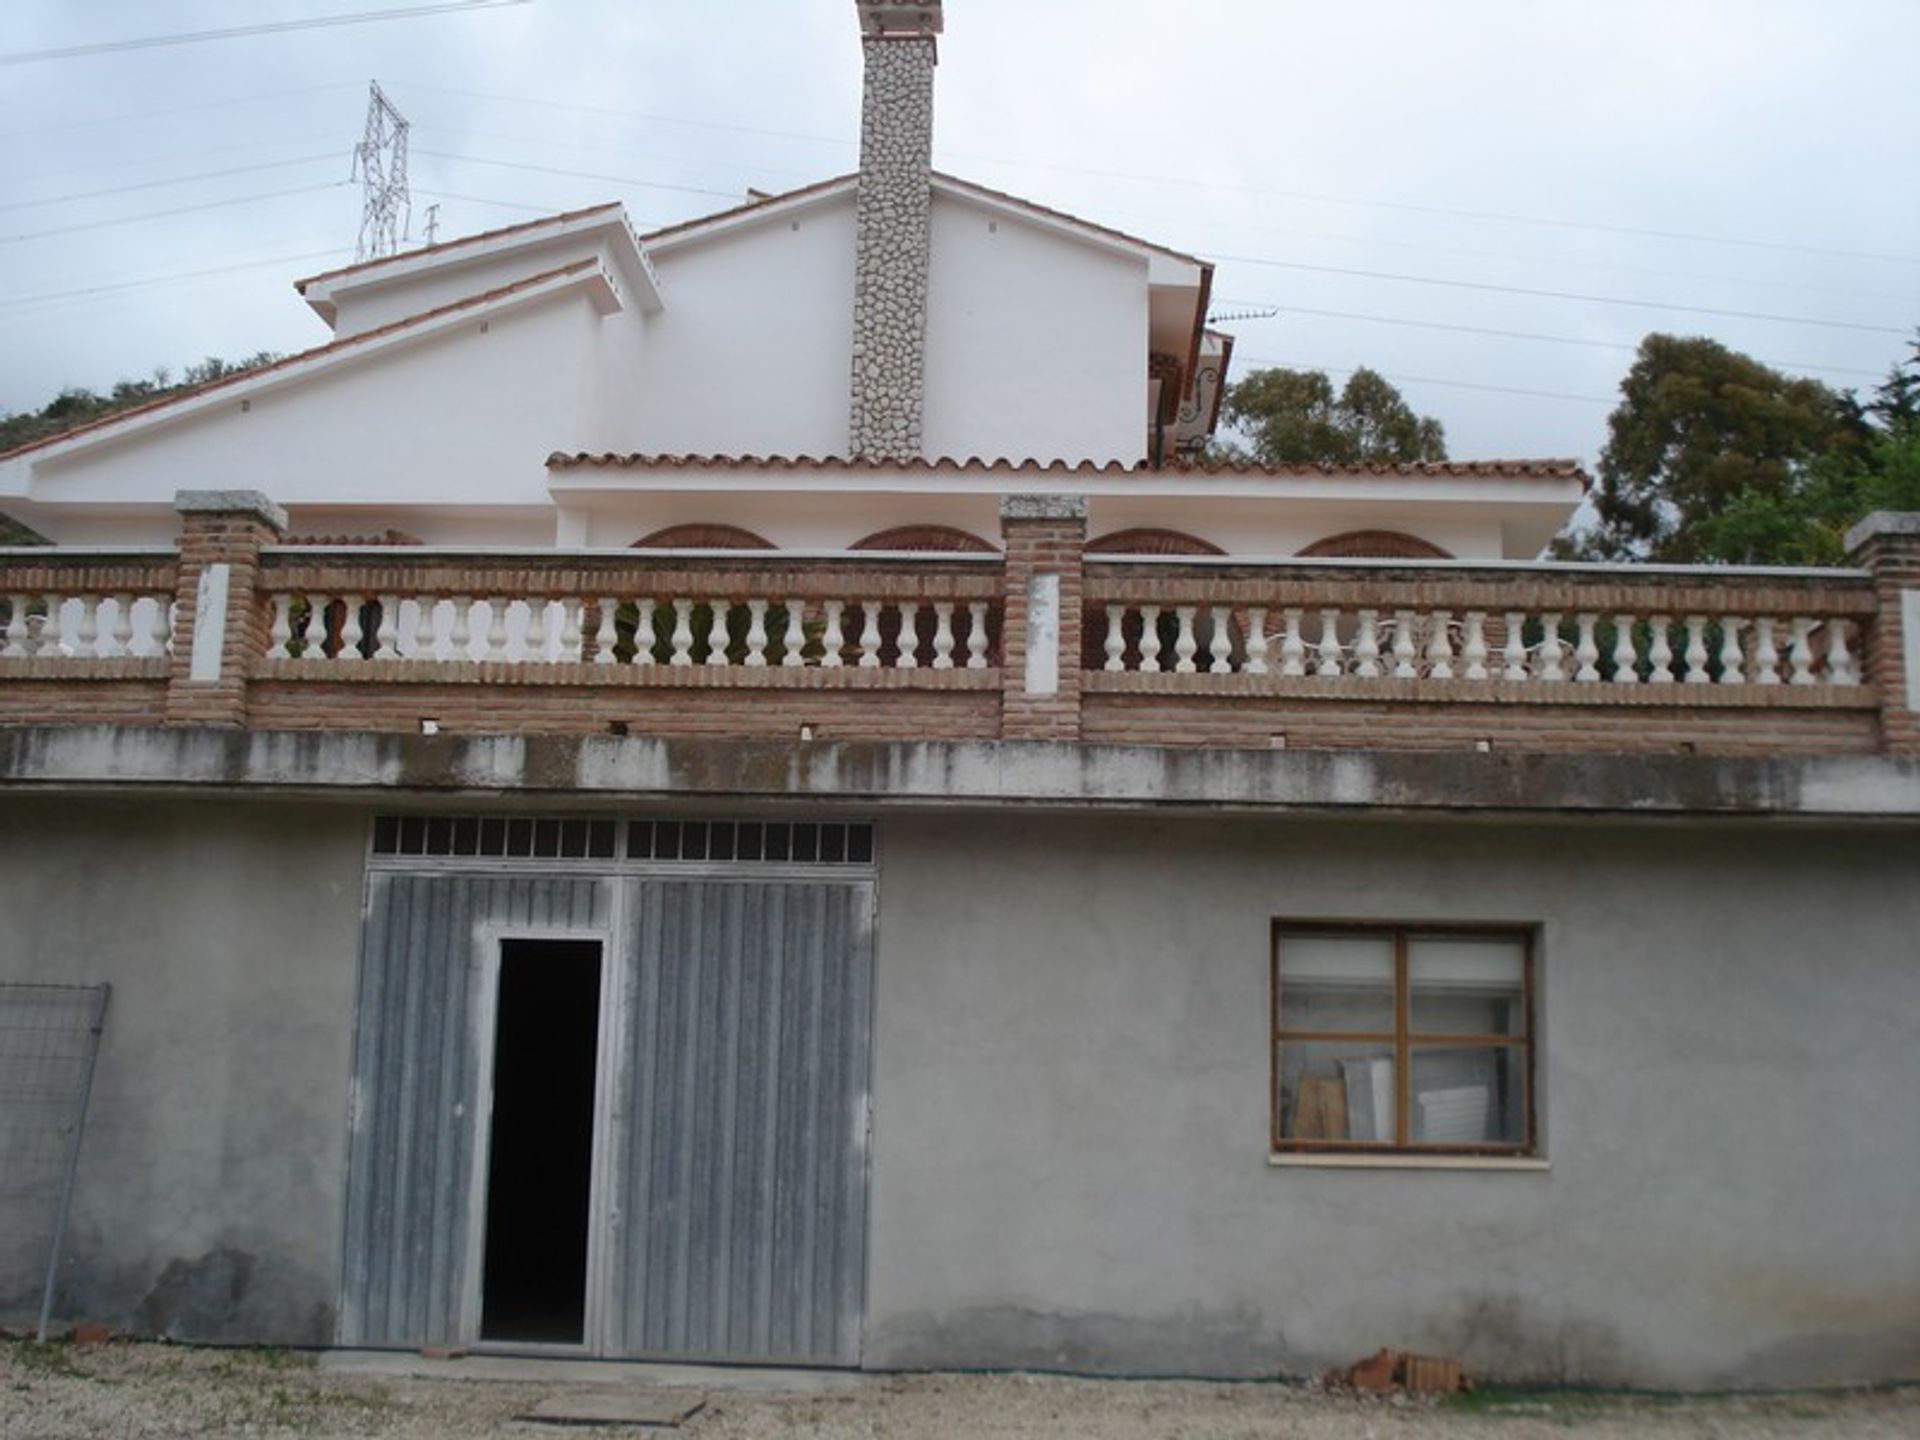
738 1223
415 1082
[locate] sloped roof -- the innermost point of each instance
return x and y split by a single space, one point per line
1549 469
566 217
303 357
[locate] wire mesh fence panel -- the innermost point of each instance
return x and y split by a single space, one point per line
49 1036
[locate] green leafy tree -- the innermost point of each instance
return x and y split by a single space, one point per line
76 406
1713 456
1295 417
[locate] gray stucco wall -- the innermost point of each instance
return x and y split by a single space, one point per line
209 1189
1070 1149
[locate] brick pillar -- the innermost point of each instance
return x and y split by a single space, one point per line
1046 538
219 624
1887 544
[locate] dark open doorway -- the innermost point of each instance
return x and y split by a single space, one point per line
539 1174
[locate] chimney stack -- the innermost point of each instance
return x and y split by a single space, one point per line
894 224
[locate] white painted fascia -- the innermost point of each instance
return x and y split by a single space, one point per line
621 247
1164 267
747 217
15 474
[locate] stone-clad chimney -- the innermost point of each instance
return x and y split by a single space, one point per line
895 216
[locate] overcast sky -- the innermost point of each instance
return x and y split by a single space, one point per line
1748 157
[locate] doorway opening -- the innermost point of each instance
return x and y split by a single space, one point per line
540 1164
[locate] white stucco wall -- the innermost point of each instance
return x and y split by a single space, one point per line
1036 344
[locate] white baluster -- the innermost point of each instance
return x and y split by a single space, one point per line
1766 659
1185 647
1149 639
977 635
495 644
16 640
1116 645
793 644
86 630
1626 659
122 633
1660 652
1440 645
1800 650
1221 647
1474 650
1404 650
907 646
1513 651
717 638
387 628
1586 649
1552 650
424 643
1696 651
1256 642
461 637
47 642
943 635
351 631
644 638
1293 649
552 613
681 642
160 633
313 634
605 634
1328 649
756 634
1842 668
869 635
833 641
1366 646
1731 660
280 636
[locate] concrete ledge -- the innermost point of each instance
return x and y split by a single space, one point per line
590 769
1882 523
230 502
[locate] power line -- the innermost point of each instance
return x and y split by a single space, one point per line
181 210
1432 380
160 184
1529 335
269 27
843 142
131 115
1561 295
732 195
88 292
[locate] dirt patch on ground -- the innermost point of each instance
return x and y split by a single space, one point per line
134 1391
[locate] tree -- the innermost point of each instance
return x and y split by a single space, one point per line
1293 417
76 406
1713 456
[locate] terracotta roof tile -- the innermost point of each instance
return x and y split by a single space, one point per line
1553 469
318 351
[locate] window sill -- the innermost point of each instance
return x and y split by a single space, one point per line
1532 1164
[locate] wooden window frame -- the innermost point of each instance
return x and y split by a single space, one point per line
1403 1039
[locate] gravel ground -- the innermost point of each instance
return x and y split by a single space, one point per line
128 1391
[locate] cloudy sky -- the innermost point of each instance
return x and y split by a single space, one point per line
1491 201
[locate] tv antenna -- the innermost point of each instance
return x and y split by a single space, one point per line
1245 312
380 165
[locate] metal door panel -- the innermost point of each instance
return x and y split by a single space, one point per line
417 1086
739 1223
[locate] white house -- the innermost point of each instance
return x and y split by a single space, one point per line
738 793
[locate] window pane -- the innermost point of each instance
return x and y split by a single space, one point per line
1336 982
1469 1095
1337 1092
1467 984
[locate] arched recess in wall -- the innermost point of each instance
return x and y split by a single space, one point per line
703 537
1374 545
1150 541
946 539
